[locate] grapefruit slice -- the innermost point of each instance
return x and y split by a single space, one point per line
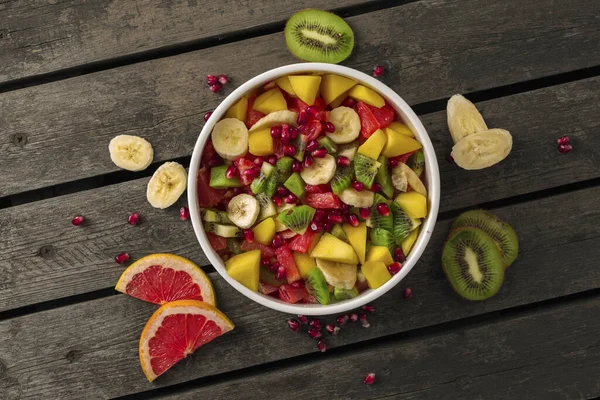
160 278
176 330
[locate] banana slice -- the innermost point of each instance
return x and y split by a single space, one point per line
337 274
403 172
230 138
132 153
321 171
366 198
166 185
347 125
482 149
243 210
399 179
276 118
463 118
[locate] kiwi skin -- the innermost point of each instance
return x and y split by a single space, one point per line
317 286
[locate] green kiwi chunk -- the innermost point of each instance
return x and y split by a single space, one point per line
219 180
329 145
378 220
296 185
283 170
342 179
220 217
318 36
234 246
381 237
345 294
339 233
259 184
316 285
416 162
403 224
300 145
297 219
228 231
348 150
473 264
384 177
365 169
501 232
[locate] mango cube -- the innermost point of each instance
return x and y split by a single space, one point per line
366 95
374 144
245 268
413 203
398 144
357 236
409 241
338 101
270 101
380 253
265 231
304 263
335 86
401 128
284 83
239 110
260 142
333 249
376 273
306 87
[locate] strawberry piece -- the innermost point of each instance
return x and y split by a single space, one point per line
291 294
207 196
368 122
296 105
244 165
302 243
383 115
218 243
324 188
265 251
311 130
323 200
285 258
253 115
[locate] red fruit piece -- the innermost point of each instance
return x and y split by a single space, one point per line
253 116
208 197
265 251
369 379
368 122
291 294
302 243
78 220
285 258
278 148
320 103
323 200
297 105
208 153
244 165
218 243
401 159
267 289
383 115
324 188
311 130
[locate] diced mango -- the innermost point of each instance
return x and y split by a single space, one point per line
304 263
374 144
334 86
357 236
284 83
366 95
376 273
409 241
260 142
245 268
333 249
401 128
270 101
338 101
239 110
265 231
413 203
380 253
315 241
306 87
398 144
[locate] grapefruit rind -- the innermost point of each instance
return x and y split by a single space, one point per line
177 307
174 262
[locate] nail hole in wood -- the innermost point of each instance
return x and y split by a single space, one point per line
20 139
73 356
47 251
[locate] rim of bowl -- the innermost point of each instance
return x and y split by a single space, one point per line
431 171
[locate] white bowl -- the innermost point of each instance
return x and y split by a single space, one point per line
432 183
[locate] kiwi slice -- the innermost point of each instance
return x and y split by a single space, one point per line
234 246
342 179
501 232
348 150
381 237
473 264
339 233
227 231
319 36
316 285
365 169
296 185
384 177
331 147
259 184
283 170
219 180
345 294
378 220
297 219
300 145
220 217
416 162
403 224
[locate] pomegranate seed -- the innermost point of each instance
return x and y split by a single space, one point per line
184 213
308 160
369 379
349 102
282 191
302 118
322 346
252 172
133 218
237 190
259 161
313 112
303 319
332 329
296 166
319 215
249 235
328 225
345 208
213 162
383 209
376 187
565 148
274 267
353 317
343 161
353 220
316 227
378 71
215 88
363 320
335 217
368 308
277 200
280 274
321 152
231 172
289 149
275 132
315 333
329 127
77 220
285 134
265 262
449 158
315 323
399 255
564 140
294 324
298 284
277 241
364 212
272 160
293 133
358 186
122 258
207 116
211 79
223 79
312 145
407 293
342 319
394 268
393 162
291 199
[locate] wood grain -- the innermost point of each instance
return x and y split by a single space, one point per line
90 349
82 258
508 359
59 132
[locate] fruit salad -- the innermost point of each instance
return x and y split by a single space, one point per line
311 189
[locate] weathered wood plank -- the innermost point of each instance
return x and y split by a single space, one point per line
38 37
82 258
92 346
508 359
164 100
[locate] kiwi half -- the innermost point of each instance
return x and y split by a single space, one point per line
297 218
365 169
316 285
473 264
342 179
319 36
501 232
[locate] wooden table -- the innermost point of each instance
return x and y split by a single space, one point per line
75 73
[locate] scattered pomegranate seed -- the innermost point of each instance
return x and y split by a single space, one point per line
291 199
275 132
303 319
277 200
565 148
329 127
285 134
342 319
207 116
289 149
315 333
213 162
376 187
313 112
316 227
265 262
315 323
349 102
293 133
393 162
321 152
369 379
394 268
383 209
274 266
353 220
353 317
363 320
399 255
358 186
223 79
335 217
294 324
77 220
407 293
343 161
133 218
122 258
272 160
364 212
231 172
302 118
322 346
449 158
312 145
259 161
280 274
249 235
215 88
564 140
378 71
277 241
184 213
368 308
332 329
211 79
296 166
308 160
